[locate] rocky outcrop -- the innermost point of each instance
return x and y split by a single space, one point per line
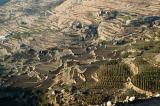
157 58
133 67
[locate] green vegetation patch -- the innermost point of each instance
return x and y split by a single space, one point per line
111 78
92 99
18 35
148 80
151 46
148 77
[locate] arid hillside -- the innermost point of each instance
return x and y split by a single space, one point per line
80 52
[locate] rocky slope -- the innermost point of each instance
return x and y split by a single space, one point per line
80 52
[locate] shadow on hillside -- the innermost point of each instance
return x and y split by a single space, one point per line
147 102
18 97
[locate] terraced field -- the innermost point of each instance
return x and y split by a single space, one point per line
80 52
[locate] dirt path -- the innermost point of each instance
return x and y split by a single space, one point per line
130 85
134 69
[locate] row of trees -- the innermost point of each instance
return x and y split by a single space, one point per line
113 76
148 80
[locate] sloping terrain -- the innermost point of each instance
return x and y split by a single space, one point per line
80 52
